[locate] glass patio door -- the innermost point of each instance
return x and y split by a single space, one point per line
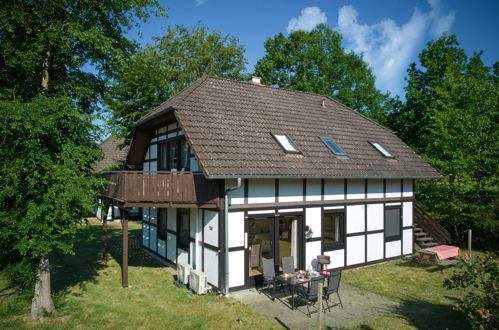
289 240
273 238
260 232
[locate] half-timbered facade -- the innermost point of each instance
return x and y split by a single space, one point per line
229 173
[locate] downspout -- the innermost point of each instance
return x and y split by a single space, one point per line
226 235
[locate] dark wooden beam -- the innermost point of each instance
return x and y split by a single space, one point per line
318 203
124 257
105 236
172 204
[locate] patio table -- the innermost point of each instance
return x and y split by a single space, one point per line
444 251
292 282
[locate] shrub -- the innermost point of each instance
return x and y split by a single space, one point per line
481 301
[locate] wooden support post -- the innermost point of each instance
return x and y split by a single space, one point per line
319 302
124 258
105 237
469 245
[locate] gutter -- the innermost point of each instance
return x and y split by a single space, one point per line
319 177
226 235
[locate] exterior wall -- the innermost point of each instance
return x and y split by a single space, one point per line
203 252
362 201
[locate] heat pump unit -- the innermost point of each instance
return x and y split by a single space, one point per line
198 282
183 271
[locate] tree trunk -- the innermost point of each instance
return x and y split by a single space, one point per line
45 71
42 301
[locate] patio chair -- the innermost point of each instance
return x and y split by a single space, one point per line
268 273
288 265
311 294
333 287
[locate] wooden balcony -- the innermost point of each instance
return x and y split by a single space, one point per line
162 189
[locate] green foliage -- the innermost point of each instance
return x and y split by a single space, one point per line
481 302
69 36
451 117
46 151
315 62
21 275
176 59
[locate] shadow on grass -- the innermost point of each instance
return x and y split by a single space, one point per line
425 315
84 266
415 264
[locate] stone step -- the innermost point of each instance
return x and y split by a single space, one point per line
420 234
424 239
418 229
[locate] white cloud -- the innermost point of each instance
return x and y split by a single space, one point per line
309 18
198 3
389 47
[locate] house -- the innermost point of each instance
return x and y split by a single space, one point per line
114 159
231 172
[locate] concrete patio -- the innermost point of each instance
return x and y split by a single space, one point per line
358 307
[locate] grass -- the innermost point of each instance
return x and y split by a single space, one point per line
424 302
88 294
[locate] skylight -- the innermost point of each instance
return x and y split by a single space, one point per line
286 143
335 149
382 149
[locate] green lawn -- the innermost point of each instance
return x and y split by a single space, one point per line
89 294
425 303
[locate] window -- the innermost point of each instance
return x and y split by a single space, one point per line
174 155
382 149
286 143
185 155
331 145
334 232
183 232
162 218
393 223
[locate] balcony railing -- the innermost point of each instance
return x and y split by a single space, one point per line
161 187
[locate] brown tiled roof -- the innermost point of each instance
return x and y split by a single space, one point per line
113 154
230 124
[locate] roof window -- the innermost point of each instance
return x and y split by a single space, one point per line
331 145
286 143
382 149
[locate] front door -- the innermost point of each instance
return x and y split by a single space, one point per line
273 237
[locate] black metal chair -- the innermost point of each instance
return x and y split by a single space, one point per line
311 294
288 265
333 286
268 273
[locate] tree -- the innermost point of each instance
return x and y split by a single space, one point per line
158 71
451 117
481 302
65 47
67 51
315 62
411 122
46 151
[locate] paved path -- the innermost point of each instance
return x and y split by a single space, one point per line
358 307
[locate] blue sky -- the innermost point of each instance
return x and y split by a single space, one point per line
390 33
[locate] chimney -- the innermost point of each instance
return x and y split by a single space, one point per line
256 80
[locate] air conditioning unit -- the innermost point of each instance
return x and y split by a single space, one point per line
183 271
198 282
